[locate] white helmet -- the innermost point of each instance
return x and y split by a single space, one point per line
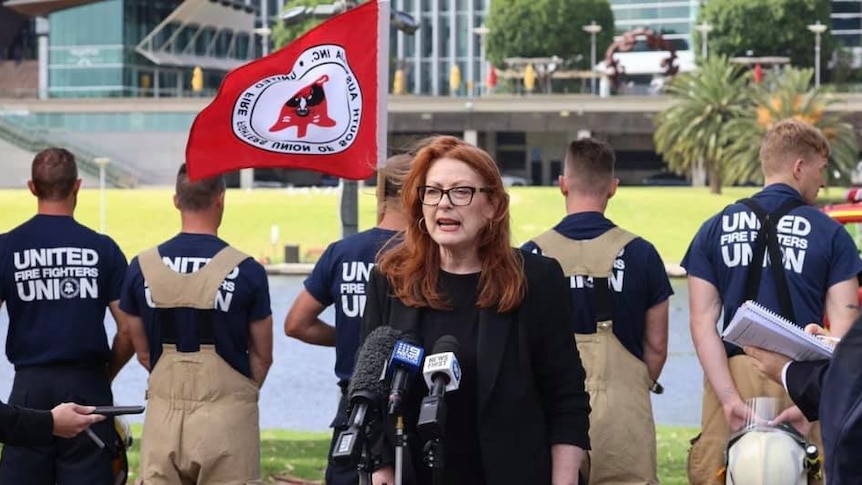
766 456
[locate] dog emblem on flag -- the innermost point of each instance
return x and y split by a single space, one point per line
315 108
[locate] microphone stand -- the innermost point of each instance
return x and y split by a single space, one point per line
400 444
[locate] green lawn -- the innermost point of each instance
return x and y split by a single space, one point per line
304 454
137 219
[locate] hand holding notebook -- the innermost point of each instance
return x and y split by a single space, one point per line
754 325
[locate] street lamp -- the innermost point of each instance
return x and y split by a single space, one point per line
818 29
592 29
482 31
102 162
704 28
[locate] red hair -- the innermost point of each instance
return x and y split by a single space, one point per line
413 266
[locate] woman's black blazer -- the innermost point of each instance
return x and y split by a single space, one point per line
531 391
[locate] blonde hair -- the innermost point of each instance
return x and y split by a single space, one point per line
390 179
788 141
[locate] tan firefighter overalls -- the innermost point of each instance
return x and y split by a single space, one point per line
201 425
622 429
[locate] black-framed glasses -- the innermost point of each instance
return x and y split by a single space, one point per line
458 196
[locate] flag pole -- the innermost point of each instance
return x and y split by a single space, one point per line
350 188
383 19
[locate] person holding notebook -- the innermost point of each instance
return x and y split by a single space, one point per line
729 262
828 391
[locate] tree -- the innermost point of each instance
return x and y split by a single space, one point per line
545 28
788 94
767 28
693 127
283 35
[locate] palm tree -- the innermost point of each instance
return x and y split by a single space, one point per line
788 94
693 128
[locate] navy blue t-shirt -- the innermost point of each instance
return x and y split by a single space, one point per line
818 253
57 277
638 282
339 278
242 298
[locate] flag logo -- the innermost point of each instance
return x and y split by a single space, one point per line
314 108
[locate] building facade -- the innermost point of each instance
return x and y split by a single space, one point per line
674 19
847 22
447 37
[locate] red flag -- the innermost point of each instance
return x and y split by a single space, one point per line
492 77
315 104
758 74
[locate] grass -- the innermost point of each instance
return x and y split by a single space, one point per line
309 218
303 455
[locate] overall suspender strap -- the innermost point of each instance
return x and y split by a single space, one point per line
589 257
171 291
767 240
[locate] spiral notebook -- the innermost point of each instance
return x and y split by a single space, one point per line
755 325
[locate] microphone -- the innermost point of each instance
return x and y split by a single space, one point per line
404 363
442 373
366 391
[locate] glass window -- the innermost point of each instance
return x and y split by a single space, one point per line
846 24
203 41
443 78
443 5
511 138
242 46
427 36
425 87
99 23
164 35
184 38
409 45
464 34
86 82
444 37
222 43
674 12
512 159
846 7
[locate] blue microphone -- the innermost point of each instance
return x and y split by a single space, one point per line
405 362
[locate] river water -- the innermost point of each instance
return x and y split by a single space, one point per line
300 391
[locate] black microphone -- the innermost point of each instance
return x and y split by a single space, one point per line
442 373
405 362
366 391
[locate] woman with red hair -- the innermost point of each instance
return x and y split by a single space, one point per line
521 414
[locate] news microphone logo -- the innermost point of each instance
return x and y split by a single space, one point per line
405 361
406 354
445 363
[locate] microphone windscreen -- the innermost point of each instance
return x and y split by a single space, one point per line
371 360
446 343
